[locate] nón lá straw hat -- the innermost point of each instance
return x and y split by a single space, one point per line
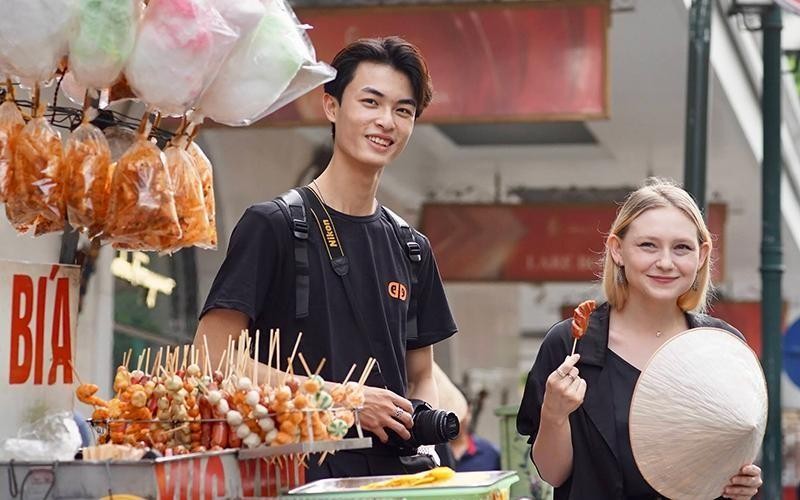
698 413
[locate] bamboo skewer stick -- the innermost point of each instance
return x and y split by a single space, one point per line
290 360
352 368
207 363
367 371
272 339
255 358
221 360
147 361
305 365
319 366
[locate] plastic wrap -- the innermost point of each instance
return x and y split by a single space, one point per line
203 167
275 63
53 437
36 196
141 213
87 160
243 15
103 40
180 47
11 123
189 202
34 36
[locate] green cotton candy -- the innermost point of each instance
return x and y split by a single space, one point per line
104 40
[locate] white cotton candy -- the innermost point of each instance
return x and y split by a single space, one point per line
260 68
180 47
34 36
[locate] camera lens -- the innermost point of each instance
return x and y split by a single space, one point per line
435 426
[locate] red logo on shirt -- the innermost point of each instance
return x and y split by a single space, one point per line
398 291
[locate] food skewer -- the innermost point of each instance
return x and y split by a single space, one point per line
580 321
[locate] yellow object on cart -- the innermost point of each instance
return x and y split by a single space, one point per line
410 480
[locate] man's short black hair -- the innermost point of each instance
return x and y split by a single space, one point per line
401 55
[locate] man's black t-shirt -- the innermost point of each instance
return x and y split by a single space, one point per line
258 279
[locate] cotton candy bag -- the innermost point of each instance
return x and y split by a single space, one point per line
103 41
260 69
34 36
180 47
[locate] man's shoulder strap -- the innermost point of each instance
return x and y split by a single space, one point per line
293 207
405 234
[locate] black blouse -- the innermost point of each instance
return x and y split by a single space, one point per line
598 461
623 380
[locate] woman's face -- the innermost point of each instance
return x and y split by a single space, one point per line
661 254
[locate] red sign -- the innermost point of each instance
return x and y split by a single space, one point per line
39 311
543 242
488 62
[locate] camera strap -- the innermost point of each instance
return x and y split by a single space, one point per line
340 264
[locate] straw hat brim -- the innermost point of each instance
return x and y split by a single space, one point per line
698 413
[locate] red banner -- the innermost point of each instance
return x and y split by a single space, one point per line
488 62
543 242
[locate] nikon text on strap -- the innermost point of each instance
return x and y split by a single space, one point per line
292 205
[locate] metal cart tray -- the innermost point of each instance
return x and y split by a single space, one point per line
464 485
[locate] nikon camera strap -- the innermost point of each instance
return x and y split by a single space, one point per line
292 204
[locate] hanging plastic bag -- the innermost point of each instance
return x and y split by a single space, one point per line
87 160
34 36
103 41
242 15
179 49
262 68
36 197
11 124
141 212
189 202
202 165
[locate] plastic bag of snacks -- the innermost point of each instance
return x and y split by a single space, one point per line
87 160
203 167
141 212
103 40
11 123
180 47
189 201
261 69
34 36
36 197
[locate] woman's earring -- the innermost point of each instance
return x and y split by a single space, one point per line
621 280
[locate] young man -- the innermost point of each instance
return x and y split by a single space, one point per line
361 309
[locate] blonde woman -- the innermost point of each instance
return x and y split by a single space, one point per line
656 280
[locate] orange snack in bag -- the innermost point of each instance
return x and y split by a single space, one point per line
141 214
204 170
11 123
189 202
36 196
87 159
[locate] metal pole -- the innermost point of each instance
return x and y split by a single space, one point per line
694 168
771 253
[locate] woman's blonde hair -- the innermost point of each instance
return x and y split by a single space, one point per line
657 193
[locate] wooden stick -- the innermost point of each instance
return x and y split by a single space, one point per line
128 359
167 359
352 368
192 355
278 349
139 361
147 361
185 356
157 361
574 344
272 339
322 458
207 363
255 358
221 360
367 370
319 366
75 371
305 365
294 351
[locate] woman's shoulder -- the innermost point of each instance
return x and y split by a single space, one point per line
705 320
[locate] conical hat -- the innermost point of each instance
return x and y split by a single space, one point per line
698 413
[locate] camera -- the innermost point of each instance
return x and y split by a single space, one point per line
429 427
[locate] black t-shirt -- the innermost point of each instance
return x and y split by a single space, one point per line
258 279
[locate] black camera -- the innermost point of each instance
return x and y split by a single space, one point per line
429 427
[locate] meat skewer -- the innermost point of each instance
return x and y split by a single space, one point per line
580 321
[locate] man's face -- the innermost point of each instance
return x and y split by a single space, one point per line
376 116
